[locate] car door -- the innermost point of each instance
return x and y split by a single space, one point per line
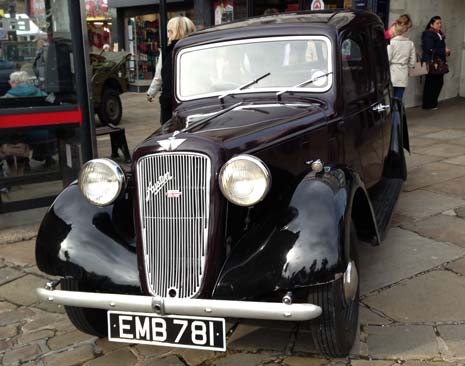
363 131
382 107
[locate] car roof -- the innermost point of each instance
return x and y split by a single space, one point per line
322 22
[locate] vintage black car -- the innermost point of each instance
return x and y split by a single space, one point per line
285 148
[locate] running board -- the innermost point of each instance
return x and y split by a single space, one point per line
383 197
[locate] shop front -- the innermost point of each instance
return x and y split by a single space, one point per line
45 123
138 22
139 32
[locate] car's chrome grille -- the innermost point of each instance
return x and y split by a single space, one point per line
174 191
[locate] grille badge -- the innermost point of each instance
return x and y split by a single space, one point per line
173 193
171 143
154 189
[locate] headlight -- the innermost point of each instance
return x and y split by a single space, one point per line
101 181
245 180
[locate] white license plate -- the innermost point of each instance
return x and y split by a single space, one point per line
177 331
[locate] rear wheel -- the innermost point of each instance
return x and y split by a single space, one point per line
334 331
90 321
111 108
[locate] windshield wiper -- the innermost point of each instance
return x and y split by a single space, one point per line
242 87
306 82
209 117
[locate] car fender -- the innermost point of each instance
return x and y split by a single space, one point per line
95 244
306 245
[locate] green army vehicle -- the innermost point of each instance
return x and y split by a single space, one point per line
110 78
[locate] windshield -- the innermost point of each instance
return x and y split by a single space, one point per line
224 67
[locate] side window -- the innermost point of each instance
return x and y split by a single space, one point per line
380 59
355 66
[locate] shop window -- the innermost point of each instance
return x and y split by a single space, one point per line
99 35
147 46
227 11
143 44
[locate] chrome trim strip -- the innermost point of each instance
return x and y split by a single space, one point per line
174 231
176 306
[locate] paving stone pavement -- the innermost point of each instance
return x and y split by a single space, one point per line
413 286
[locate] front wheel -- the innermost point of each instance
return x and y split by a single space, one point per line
334 331
87 320
111 108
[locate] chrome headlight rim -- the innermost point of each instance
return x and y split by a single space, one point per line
115 169
260 164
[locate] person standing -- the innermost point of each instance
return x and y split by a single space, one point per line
433 46
401 54
155 85
178 28
38 65
402 24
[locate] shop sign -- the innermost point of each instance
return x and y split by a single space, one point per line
317 5
224 11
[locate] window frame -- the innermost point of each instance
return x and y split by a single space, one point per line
325 39
366 60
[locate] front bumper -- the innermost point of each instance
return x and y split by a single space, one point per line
177 306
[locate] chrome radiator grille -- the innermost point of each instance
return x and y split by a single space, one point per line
174 191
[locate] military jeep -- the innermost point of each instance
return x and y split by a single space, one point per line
109 80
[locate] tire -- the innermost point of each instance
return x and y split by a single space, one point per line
334 331
90 321
111 108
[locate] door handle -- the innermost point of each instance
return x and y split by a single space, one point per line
381 107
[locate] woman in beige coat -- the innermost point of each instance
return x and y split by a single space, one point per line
401 53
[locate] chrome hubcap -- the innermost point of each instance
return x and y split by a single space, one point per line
350 282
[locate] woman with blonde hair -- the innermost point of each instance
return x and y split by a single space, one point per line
401 54
400 26
178 28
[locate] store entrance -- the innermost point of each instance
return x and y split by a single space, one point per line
143 40
144 45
